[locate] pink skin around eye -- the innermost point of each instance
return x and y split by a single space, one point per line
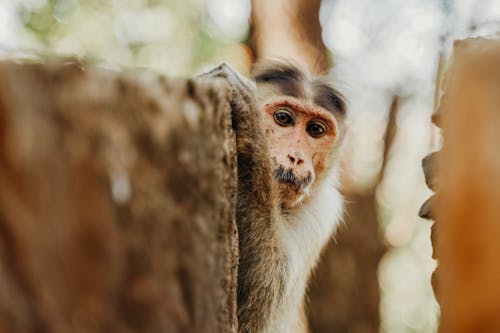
298 106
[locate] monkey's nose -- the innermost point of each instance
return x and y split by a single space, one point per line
295 160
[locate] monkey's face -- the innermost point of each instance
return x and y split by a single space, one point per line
303 118
301 137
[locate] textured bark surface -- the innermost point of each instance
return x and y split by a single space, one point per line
467 201
117 196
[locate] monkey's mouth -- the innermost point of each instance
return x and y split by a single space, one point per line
287 177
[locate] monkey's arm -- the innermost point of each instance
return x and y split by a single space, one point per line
262 264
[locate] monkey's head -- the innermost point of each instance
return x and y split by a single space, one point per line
303 118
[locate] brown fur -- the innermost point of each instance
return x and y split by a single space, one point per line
263 265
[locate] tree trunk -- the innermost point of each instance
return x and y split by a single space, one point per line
344 293
117 202
289 29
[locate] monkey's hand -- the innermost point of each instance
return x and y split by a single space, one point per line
241 86
261 265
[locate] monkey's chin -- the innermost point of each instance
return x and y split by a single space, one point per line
290 195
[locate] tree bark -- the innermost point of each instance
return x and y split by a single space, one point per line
117 202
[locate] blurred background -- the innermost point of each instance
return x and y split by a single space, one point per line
386 56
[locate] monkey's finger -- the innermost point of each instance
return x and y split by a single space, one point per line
226 72
219 71
241 86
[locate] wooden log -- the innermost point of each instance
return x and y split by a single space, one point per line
467 201
117 202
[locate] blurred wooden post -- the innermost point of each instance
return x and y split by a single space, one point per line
117 202
468 197
344 293
289 29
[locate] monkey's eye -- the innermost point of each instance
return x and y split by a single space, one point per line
315 129
283 118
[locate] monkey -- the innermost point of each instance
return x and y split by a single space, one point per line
289 135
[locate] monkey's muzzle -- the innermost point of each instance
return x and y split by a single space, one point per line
286 176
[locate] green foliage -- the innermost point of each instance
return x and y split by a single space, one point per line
176 37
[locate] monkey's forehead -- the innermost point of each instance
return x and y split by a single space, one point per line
319 95
288 80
